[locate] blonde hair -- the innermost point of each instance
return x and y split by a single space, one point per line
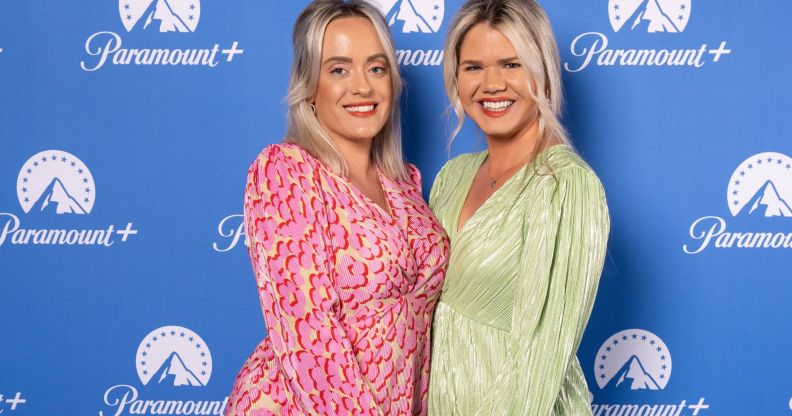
303 126
528 29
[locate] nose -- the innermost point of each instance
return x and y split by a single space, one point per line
360 83
493 81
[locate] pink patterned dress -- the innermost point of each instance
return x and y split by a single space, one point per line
347 290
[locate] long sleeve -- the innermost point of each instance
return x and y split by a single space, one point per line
550 313
429 246
287 226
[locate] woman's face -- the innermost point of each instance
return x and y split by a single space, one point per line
494 86
353 98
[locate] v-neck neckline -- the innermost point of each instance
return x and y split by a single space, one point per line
388 214
387 210
469 184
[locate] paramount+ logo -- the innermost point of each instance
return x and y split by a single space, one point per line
169 360
759 198
633 364
642 20
53 185
141 18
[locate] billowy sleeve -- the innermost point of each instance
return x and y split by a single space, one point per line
287 226
566 247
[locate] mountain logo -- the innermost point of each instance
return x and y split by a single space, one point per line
173 356
761 186
649 15
55 182
160 15
633 359
413 16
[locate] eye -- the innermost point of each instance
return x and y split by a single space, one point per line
471 68
512 65
338 71
379 70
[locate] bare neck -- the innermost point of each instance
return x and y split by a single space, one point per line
358 158
506 151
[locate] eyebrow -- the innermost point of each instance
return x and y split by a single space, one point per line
500 61
348 60
377 56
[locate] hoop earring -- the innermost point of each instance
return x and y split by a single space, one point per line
313 108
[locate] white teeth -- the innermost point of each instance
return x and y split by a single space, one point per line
496 105
360 108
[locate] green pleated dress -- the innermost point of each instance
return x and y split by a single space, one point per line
519 289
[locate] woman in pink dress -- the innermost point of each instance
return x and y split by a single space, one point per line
349 260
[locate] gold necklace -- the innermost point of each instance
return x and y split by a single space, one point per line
493 180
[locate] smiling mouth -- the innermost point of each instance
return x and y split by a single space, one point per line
360 108
496 106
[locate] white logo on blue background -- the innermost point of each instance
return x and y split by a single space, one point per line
413 16
759 192
173 356
633 359
232 229
649 15
160 15
762 186
56 182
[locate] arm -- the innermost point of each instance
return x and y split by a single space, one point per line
287 224
437 186
429 247
550 313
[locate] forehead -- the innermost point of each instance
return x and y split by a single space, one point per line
351 37
483 42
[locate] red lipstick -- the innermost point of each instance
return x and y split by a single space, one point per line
361 109
496 112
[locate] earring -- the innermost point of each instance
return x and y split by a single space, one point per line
313 108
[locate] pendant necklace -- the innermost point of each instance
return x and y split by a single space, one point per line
494 180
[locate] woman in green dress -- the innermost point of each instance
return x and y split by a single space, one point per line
528 223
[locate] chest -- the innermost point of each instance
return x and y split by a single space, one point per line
490 250
375 256
481 189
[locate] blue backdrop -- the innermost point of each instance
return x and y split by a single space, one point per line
127 128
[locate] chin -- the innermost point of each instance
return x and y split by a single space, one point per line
500 134
363 136
367 133
495 130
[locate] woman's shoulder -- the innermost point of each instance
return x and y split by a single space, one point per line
279 164
459 164
288 154
449 177
573 177
414 177
565 164
284 159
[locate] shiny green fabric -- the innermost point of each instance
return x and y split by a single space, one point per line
519 290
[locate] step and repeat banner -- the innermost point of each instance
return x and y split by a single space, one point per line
127 127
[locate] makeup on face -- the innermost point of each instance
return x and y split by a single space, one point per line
494 86
354 92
